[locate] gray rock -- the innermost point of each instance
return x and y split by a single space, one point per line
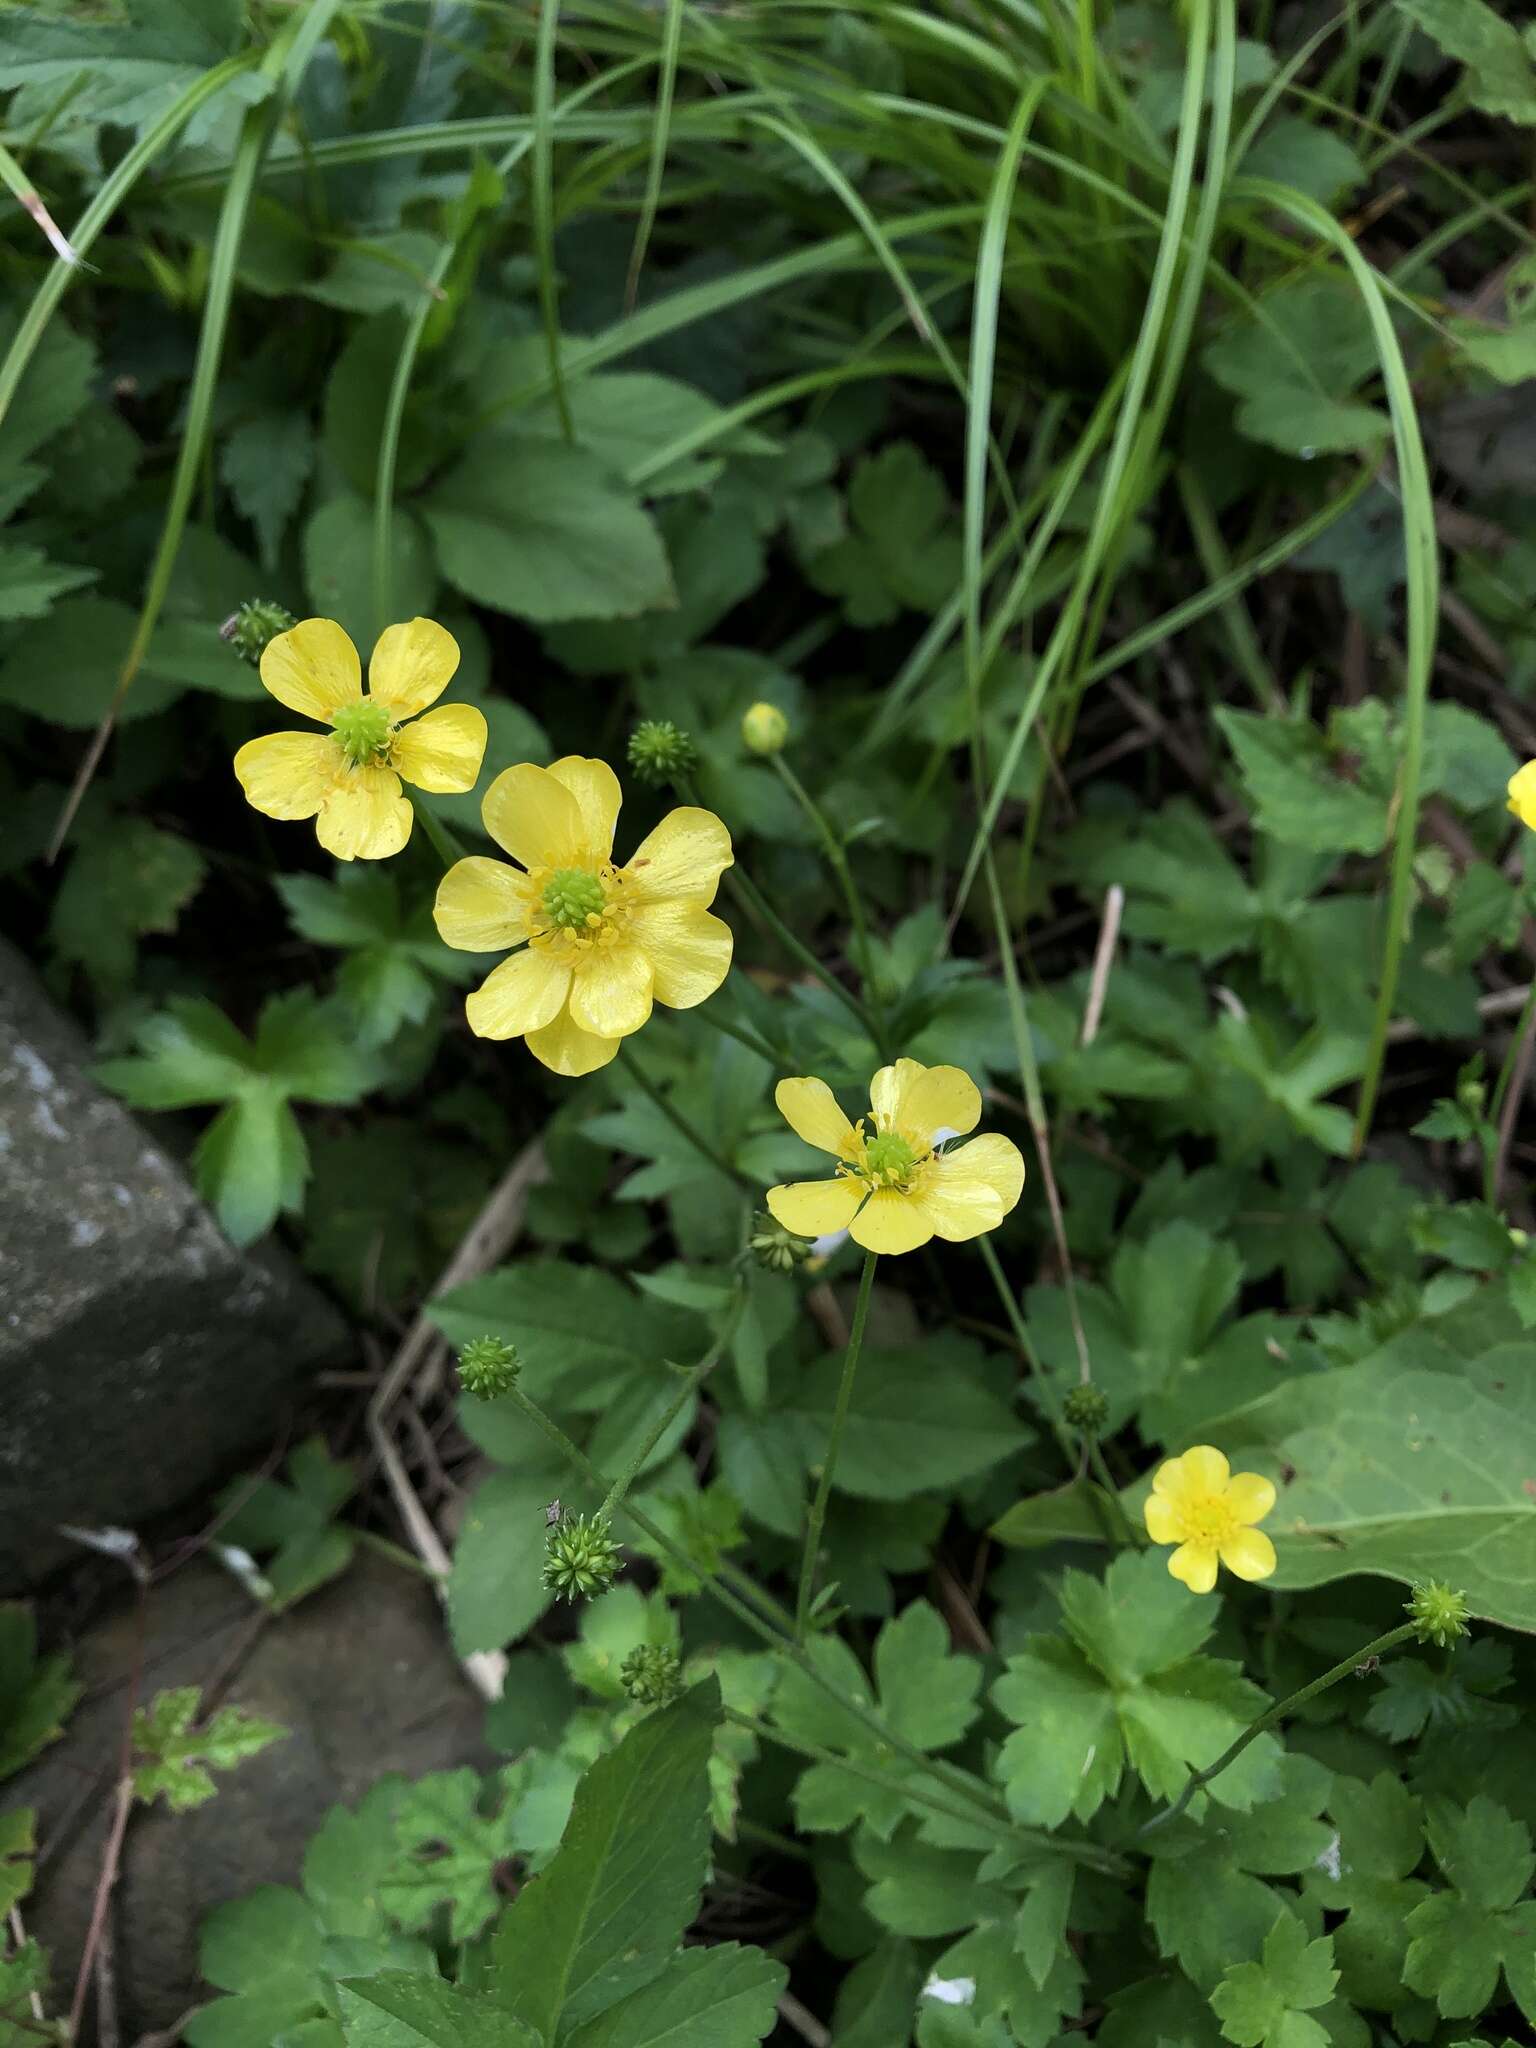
140 1352
361 1676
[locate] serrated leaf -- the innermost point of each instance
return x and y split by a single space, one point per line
1294 365
448 1850
1500 74
127 880
705 1998
398 2009
295 1522
535 528
1261 2003
174 1756
266 463
36 1695
29 582
496 1590
604 1918
18 1845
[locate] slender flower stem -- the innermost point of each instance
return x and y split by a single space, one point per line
818 1514
1126 1536
692 1381
837 860
444 845
681 1125
775 1635
1026 1344
1278 1712
743 1036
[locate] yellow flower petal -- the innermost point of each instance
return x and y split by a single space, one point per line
1249 1553
815 1208
522 994
313 668
611 991
535 818
443 751
596 790
1162 1518
689 948
1522 794
1205 1470
684 856
1249 1496
566 1049
888 1087
891 1222
365 817
1195 1564
940 1098
482 905
971 1190
411 666
810 1109
289 774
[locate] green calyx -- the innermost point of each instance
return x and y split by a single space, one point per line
572 897
1438 1613
580 1557
1085 1408
363 729
889 1158
487 1367
776 1249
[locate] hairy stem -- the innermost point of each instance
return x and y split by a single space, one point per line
818 1516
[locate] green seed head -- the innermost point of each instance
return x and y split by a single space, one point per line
651 1676
250 628
776 1249
660 751
1438 1613
1086 1409
571 896
363 729
888 1158
487 1367
580 1557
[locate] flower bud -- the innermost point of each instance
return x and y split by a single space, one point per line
250 628
776 1249
660 752
651 1676
764 729
1086 1408
580 1557
1438 1613
487 1367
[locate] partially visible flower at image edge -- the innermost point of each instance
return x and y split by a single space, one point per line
1522 794
348 779
894 1188
1199 1503
599 941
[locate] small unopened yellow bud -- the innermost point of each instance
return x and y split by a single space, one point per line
764 729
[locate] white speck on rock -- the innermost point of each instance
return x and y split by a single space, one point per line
83 1232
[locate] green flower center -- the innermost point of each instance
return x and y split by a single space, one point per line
888 1158
363 729
573 898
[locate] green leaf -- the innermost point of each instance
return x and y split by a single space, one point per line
1075 1513
606 1915
705 1998
536 529
175 1757
18 1846
923 1418
296 1522
1295 366
29 582
901 552
127 880
398 2009
266 464
65 667
36 1696
578 1329
625 418
1263 2003
496 1591
448 1852
56 385
1298 795
338 564
126 72
1414 1463
1500 74
1128 1690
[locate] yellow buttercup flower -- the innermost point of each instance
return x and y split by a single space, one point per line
894 1189
1522 794
348 780
600 942
1208 1510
